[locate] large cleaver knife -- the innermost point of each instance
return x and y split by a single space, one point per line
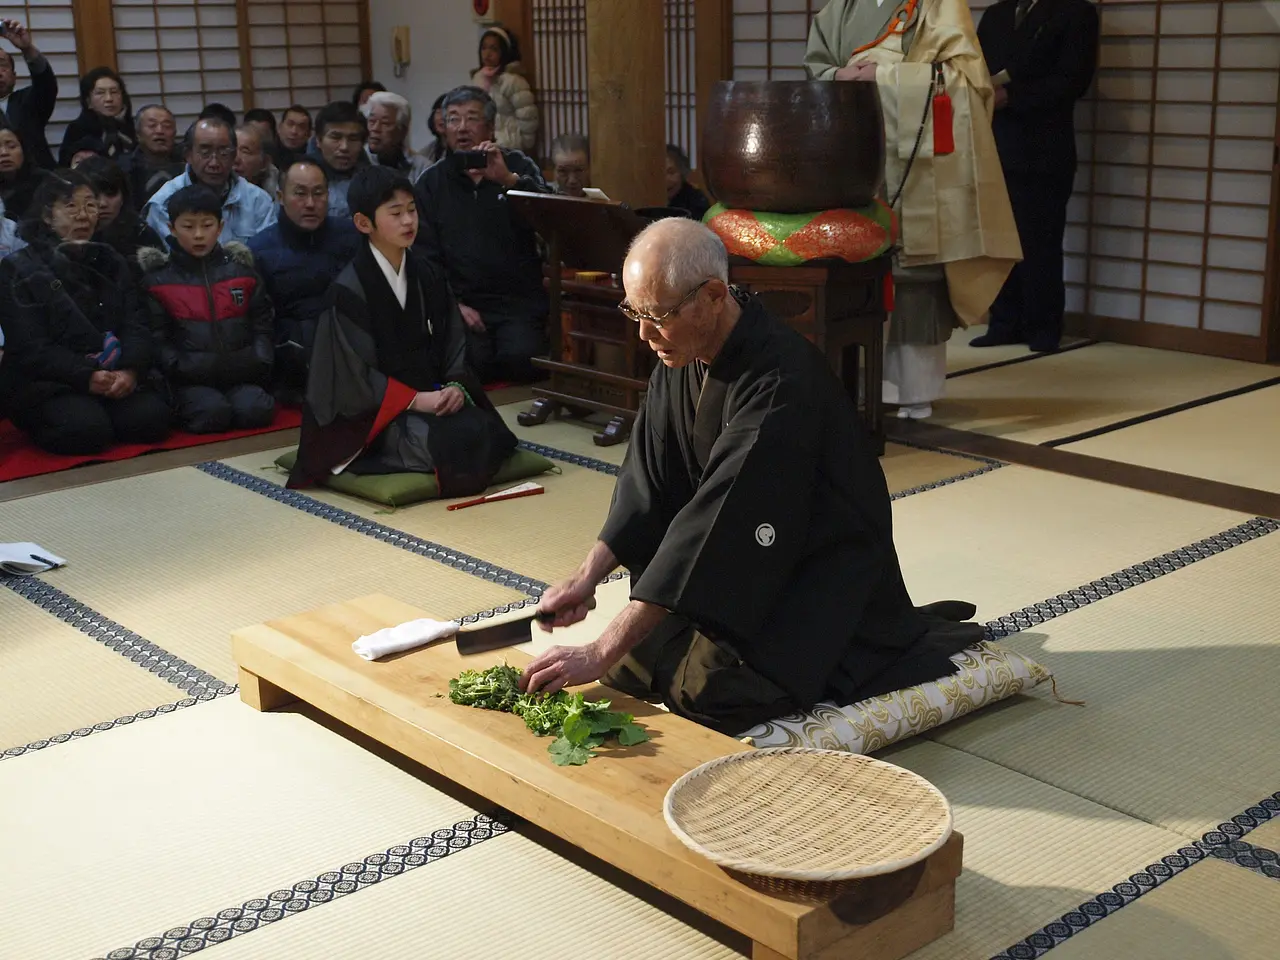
509 633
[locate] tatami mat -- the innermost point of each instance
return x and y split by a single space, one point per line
961 356
126 834
1016 536
1232 441
1179 678
55 679
1267 835
543 537
564 433
506 899
546 537
1031 851
1068 393
1213 911
183 558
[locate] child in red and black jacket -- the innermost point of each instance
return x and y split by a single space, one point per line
212 320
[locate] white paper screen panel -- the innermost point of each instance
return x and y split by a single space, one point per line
53 30
307 53
182 53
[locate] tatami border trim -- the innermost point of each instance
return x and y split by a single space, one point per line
577 459
379 531
144 653
347 879
997 364
1223 843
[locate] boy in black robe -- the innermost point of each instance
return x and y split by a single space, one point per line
388 389
753 516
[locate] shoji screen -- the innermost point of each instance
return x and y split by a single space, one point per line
182 52
1170 241
681 79
769 38
306 53
560 51
53 30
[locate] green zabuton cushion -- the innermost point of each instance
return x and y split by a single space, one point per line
402 489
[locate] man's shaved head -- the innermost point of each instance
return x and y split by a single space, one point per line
677 280
670 256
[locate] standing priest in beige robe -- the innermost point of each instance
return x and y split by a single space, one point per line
959 240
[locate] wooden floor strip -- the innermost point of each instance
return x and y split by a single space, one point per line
1157 414
1212 493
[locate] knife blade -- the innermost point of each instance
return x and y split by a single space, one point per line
509 633
495 636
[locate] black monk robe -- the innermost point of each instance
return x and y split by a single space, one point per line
371 357
751 504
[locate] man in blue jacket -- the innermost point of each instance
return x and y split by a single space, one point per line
299 256
27 110
210 149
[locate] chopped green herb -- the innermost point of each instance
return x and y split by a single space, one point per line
578 724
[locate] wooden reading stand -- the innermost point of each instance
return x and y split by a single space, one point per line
611 807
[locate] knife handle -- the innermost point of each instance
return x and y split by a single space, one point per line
547 616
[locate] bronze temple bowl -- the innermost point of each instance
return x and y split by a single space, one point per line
793 146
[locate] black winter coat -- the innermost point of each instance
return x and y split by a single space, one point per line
211 316
59 300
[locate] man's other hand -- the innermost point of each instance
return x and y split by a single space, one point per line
569 601
563 667
472 318
497 169
1002 98
857 71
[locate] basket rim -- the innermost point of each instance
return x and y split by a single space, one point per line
763 869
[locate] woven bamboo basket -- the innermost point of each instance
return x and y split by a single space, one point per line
808 816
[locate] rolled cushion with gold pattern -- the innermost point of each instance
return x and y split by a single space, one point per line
985 674
792 239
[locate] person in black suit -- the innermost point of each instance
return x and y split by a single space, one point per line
1042 55
27 110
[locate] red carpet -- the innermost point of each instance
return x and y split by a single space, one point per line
20 458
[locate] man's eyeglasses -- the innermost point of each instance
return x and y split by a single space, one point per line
457 120
222 153
631 313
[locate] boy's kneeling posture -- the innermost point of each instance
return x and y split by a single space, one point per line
388 389
212 320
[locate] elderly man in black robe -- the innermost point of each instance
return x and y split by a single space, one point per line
752 515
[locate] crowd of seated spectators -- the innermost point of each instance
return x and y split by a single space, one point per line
156 279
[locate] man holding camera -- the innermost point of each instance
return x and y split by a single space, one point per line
489 254
27 110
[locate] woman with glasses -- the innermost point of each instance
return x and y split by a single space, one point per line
106 116
78 350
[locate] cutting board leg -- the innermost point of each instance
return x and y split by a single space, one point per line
262 695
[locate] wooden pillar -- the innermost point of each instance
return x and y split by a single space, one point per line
95 35
625 94
713 53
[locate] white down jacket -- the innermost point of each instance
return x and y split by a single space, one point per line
516 127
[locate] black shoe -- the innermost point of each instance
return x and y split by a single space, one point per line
996 339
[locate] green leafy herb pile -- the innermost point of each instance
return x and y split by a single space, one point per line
579 725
